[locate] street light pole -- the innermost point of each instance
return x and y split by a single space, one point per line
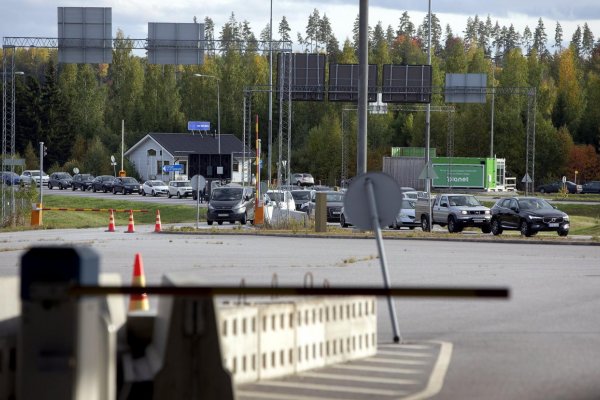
218 107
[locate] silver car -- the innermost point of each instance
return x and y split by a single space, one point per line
32 175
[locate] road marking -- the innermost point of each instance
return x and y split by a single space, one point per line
405 346
391 361
332 388
436 379
377 369
356 378
276 396
403 354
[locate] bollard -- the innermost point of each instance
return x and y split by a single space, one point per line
321 212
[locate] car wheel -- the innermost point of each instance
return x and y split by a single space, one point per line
114 191
143 192
453 226
496 227
542 190
74 188
396 226
425 223
220 222
411 227
487 228
49 186
169 195
179 195
94 189
105 190
563 232
244 219
525 229
153 193
123 191
343 221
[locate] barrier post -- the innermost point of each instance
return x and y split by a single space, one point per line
36 214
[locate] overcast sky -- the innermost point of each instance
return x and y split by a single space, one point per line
38 18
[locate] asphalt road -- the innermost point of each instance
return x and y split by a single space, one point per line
541 344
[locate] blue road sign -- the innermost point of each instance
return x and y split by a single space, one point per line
198 126
173 168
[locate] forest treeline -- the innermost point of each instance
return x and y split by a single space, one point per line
76 110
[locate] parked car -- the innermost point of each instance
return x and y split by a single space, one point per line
457 211
125 185
301 196
335 202
302 179
32 175
82 182
344 222
555 187
529 215
591 187
154 188
61 180
10 178
180 189
282 199
406 215
231 204
103 183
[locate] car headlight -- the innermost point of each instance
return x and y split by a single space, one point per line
566 218
211 208
464 212
487 212
534 218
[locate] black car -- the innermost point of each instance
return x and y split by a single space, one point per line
529 215
555 187
335 202
82 182
103 183
125 185
591 187
61 180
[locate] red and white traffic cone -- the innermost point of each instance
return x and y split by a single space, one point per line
157 225
111 222
130 227
138 301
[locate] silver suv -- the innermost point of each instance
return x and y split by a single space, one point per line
32 175
180 189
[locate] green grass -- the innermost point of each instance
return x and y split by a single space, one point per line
89 219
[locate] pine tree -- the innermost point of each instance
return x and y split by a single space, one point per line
540 39
284 30
587 41
576 42
558 36
405 27
527 37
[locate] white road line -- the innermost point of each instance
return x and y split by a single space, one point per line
392 361
331 388
276 396
368 368
357 378
436 379
405 346
403 354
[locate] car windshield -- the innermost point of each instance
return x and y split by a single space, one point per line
129 180
408 204
157 183
335 197
181 184
227 194
275 196
63 175
468 201
301 195
534 204
86 176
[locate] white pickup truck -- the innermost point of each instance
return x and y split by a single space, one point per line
456 211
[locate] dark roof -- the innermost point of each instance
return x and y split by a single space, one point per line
185 143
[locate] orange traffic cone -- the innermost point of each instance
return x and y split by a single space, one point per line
130 227
138 301
111 222
157 225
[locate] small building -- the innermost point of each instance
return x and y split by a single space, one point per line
155 155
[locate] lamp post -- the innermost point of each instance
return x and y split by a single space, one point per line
218 107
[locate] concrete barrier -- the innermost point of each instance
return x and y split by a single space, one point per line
269 340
